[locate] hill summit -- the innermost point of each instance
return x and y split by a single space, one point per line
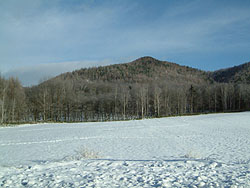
142 70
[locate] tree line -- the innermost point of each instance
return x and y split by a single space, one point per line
13 106
63 101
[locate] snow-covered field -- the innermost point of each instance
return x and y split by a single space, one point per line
192 151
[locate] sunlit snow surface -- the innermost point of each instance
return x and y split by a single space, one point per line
191 151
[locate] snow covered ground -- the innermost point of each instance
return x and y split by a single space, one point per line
192 151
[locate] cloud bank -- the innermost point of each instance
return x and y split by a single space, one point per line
33 75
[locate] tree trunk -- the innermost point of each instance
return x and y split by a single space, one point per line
13 109
3 106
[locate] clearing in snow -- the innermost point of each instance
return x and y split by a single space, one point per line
190 151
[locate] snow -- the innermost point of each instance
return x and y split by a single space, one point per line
189 151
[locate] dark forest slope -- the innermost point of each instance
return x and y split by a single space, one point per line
142 70
236 74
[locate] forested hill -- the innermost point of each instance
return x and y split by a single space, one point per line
143 88
237 74
142 70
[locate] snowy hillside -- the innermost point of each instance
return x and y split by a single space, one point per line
195 151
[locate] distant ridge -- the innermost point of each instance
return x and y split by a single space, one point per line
236 74
148 68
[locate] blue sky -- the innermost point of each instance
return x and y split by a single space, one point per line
42 38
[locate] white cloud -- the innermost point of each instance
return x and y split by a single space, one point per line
32 75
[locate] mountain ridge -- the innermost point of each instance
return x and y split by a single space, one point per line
143 69
147 67
236 74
